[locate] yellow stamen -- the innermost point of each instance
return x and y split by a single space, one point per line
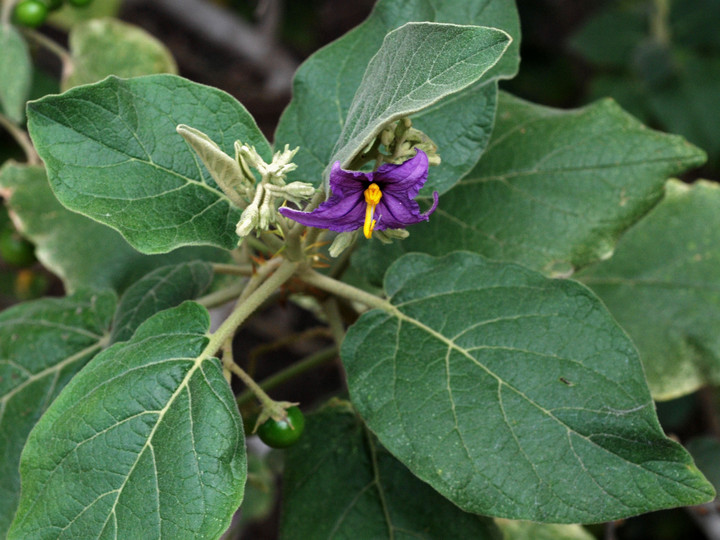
372 197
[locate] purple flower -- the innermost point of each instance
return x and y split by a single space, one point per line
378 200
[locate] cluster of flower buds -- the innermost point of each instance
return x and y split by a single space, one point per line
261 213
258 199
401 139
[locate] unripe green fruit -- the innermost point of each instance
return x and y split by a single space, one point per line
30 13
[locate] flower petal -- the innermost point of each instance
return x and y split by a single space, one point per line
395 212
338 214
406 178
345 183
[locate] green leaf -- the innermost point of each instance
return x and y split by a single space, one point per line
533 401
102 47
553 191
15 72
145 442
82 252
366 493
113 154
527 530
163 288
43 343
663 287
417 65
326 83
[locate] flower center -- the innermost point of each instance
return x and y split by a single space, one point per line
372 198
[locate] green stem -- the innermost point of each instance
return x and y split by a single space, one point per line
219 297
246 306
659 21
330 307
253 387
232 269
22 139
59 51
291 372
344 290
263 271
7 7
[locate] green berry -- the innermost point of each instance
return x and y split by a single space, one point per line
30 13
15 250
284 433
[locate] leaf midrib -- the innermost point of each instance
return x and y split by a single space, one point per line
396 312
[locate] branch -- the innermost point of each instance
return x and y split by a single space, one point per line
223 28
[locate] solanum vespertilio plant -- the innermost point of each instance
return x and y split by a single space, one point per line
480 384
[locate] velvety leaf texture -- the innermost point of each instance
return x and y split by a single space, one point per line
324 87
113 154
145 442
553 191
81 251
15 72
162 288
417 65
533 400
102 47
43 343
663 286
353 488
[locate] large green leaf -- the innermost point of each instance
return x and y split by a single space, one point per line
82 252
417 65
513 395
553 191
42 345
15 72
145 442
163 288
113 154
663 286
326 83
366 493
102 47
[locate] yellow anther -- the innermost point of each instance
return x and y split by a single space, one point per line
372 198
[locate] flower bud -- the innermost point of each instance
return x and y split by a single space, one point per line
342 241
248 221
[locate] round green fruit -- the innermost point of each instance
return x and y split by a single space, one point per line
30 13
284 433
15 250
